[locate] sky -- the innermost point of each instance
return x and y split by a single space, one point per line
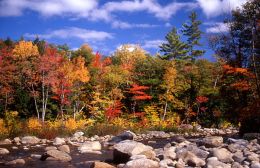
105 25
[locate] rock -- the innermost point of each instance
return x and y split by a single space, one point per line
14 147
6 142
238 157
64 148
223 155
16 162
251 136
50 148
186 126
36 156
96 164
127 135
255 165
213 141
142 163
179 139
58 141
4 151
17 140
134 157
78 134
56 155
253 157
193 160
30 140
236 165
127 148
166 163
169 153
217 164
89 146
158 134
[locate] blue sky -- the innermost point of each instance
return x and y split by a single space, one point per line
105 25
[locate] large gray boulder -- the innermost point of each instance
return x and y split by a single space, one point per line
192 160
127 148
58 141
64 148
89 146
127 135
223 155
214 163
142 163
56 155
213 141
30 140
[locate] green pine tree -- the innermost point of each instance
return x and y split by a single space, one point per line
174 48
193 33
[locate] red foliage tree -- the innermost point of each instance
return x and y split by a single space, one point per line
113 110
138 95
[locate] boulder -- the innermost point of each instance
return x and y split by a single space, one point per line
192 160
237 165
50 148
16 162
255 165
4 151
127 148
142 163
238 157
30 140
127 135
214 163
213 141
222 154
58 141
89 146
6 142
97 164
64 148
78 134
169 153
56 155
17 140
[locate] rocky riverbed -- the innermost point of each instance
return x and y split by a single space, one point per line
209 148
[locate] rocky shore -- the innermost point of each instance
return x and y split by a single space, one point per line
209 148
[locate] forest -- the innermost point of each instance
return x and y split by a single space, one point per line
48 89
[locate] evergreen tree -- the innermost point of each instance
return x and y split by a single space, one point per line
174 48
193 33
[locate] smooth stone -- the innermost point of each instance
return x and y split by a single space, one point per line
30 140
192 160
58 141
50 148
56 155
16 162
78 134
6 142
4 151
223 155
64 148
36 156
89 146
213 141
142 163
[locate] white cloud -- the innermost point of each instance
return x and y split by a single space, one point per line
126 25
151 6
152 44
217 27
90 8
47 7
74 32
214 8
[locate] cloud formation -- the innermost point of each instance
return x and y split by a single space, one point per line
90 8
217 27
74 32
213 8
152 44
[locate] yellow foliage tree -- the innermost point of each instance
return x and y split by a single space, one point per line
25 49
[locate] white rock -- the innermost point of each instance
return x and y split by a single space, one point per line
30 140
223 155
16 162
89 146
64 148
4 151
142 163
58 141
78 134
